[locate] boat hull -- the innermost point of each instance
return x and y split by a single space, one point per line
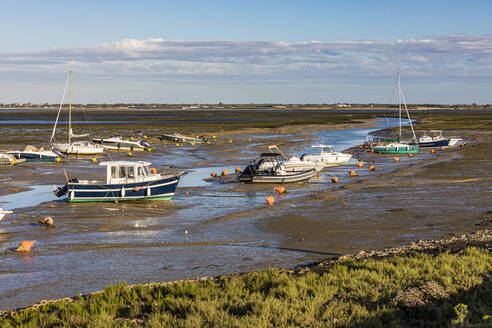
272 179
73 149
181 138
406 149
36 156
439 143
160 189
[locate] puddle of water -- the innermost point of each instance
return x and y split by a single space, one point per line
195 177
37 195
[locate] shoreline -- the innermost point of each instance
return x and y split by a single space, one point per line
479 238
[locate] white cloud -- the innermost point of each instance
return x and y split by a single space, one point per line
449 55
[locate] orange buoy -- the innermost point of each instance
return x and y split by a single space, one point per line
371 168
116 201
397 159
225 172
52 206
136 188
359 164
280 190
334 179
361 147
270 200
153 171
442 148
372 150
154 206
48 221
432 151
410 155
187 193
25 245
238 169
213 175
353 173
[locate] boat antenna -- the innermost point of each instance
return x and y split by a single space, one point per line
399 99
59 110
70 108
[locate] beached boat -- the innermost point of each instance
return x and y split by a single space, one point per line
118 143
273 172
327 157
78 147
433 139
396 146
177 137
125 180
3 213
38 155
8 159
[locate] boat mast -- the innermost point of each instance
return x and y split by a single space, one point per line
399 99
70 108
59 110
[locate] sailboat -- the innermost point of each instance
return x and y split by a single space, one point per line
73 147
396 146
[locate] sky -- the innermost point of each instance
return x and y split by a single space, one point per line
246 51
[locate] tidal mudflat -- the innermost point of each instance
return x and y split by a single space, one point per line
230 228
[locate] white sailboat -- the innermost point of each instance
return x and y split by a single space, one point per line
73 147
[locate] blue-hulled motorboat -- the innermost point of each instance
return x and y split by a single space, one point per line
125 180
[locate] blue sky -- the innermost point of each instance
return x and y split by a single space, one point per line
246 51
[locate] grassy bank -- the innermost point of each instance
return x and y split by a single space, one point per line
414 290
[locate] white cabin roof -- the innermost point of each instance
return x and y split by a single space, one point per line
322 146
125 163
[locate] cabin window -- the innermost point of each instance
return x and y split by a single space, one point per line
122 172
131 172
113 172
146 169
140 171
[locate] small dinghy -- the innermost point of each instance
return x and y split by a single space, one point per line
9 159
125 180
271 169
3 213
118 143
176 137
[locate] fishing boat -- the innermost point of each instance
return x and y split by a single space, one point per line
37 155
396 146
71 147
434 138
177 137
327 157
125 180
271 169
118 143
9 159
3 213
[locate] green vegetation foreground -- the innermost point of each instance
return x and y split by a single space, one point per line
419 289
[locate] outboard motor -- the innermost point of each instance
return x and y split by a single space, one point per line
144 143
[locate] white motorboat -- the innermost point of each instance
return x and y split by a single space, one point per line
70 147
327 157
118 143
271 169
38 155
3 213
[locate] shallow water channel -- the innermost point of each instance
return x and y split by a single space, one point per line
204 231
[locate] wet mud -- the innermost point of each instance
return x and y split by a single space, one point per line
218 226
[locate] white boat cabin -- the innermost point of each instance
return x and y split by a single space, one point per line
325 148
118 172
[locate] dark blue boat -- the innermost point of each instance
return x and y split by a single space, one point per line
126 180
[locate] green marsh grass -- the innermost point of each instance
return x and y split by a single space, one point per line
418 290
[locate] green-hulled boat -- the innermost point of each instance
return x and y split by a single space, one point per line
396 146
